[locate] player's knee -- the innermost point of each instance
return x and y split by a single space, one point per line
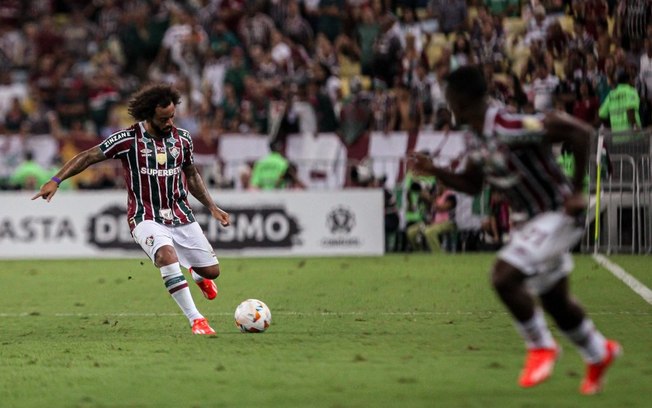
165 255
208 272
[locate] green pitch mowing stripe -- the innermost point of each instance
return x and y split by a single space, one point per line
408 331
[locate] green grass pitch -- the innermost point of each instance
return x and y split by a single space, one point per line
392 331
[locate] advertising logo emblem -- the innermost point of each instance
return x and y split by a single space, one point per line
340 220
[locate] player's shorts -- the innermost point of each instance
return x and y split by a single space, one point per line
540 248
189 242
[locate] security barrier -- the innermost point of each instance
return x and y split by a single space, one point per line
618 217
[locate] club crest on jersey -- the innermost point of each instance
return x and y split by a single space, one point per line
174 151
149 241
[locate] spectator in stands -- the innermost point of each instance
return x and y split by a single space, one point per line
441 220
542 89
581 39
416 201
367 30
566 91
237 71
356 115
296 27
537 25
489 47
383 107
29 175
462 52
645 69
504 8
300 110
586 104
330 18
10 90
387 51
220 39
557 40
619 110
269 172
71 103
497 225
451 14
317 97
15 119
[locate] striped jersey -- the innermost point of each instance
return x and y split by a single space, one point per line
516 161
153 173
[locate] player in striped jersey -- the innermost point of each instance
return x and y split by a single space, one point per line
513 154
159 173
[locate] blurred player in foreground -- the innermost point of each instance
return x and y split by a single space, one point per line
513 154
159 171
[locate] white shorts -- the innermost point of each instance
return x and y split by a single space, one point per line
189 242
540 248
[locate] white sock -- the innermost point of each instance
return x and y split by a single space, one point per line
176 284
195 276
535 332
589 341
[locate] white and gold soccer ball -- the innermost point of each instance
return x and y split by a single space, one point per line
252 316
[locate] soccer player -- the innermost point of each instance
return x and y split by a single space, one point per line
157 159
513 154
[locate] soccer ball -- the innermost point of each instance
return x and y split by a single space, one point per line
252 316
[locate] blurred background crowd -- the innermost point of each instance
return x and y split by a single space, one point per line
278 67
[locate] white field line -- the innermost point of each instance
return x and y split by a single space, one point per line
301 314
617 271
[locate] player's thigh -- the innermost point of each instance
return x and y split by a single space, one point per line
151 236
538 245
193 247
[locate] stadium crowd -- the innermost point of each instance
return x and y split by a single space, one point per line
277 67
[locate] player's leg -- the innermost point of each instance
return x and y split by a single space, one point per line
597 352
533 250
156 241
204 277
198 255
542 351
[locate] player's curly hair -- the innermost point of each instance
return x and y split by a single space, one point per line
142 105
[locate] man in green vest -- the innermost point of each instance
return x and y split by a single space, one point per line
269 171
621 106
29 175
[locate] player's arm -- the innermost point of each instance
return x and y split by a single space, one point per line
198 189
72 167
470 181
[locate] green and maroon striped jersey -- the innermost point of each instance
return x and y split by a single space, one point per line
516 160
153 173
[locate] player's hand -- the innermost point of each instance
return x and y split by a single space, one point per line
221 216
575 204
420 163
47 191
